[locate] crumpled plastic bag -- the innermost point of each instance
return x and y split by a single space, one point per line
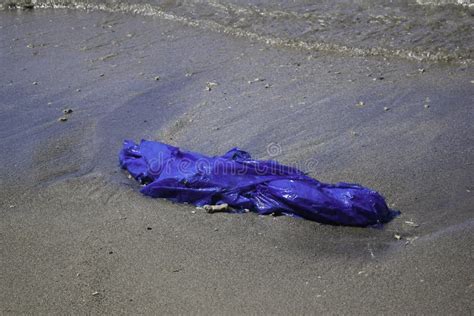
261 186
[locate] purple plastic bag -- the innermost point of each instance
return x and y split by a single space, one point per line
264 187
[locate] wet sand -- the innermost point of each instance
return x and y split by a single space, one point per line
77 237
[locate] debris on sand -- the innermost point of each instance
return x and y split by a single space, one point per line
95 293
210 85
62 119
411 223
386 108
258 185
35 83
216 208
360 104
397 237
256 80
67 111
426 106
157 78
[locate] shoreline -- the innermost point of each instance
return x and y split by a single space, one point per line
460 53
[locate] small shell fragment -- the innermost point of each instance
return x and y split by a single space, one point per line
411 223
210 85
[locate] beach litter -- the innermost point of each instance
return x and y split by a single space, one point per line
235 182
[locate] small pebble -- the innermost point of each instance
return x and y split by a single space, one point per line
95 293
210 85
149 228
255 80
35 83
410 240
426 106
62 119
397 236
360 103
385 108
67 111
101 75
157 78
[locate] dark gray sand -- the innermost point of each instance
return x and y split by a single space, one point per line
76 236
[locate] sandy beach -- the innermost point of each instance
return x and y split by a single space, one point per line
77 237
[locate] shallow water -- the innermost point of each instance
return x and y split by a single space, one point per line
418 30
